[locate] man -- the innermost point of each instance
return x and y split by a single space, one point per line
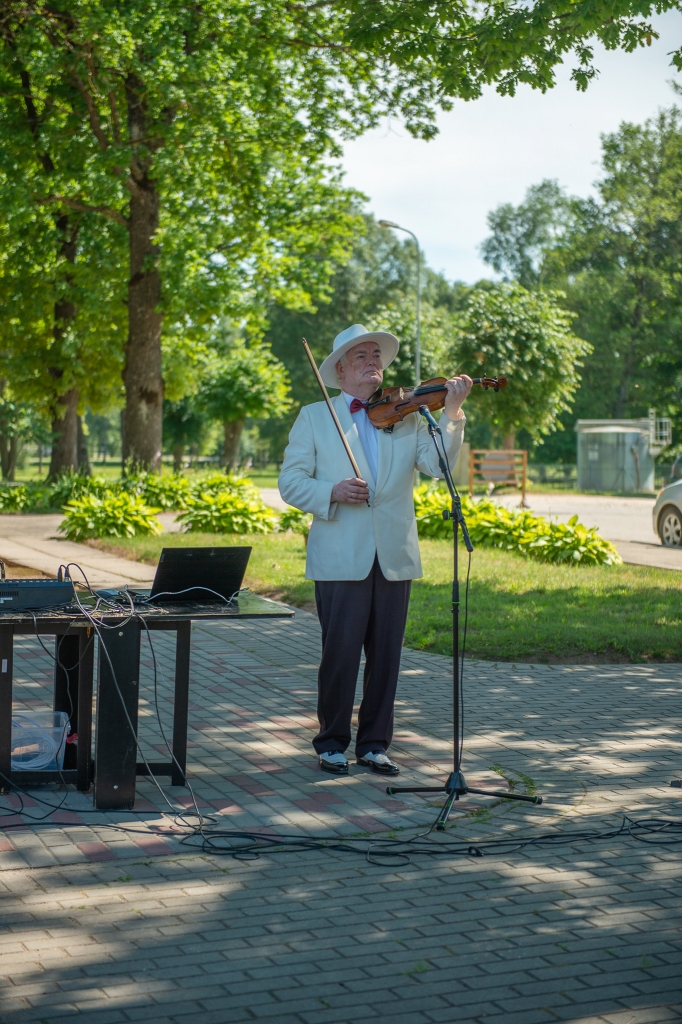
363 550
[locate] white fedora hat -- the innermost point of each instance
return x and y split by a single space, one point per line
348 339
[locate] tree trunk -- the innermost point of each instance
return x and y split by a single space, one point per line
64 435
9 452
64 406
82 454
178 453
509 441
143 413
233 433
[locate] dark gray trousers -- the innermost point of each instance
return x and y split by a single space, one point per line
369 613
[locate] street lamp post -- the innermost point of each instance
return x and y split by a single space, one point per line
417 357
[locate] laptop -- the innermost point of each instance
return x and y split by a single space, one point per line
207 575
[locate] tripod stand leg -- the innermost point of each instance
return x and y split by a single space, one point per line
455 787
442 819
507 796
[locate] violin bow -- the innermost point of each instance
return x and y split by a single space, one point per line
323 389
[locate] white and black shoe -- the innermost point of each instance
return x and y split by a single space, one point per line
334 762
379 762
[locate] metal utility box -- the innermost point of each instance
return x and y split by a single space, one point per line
618 455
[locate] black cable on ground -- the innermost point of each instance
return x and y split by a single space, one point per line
249 844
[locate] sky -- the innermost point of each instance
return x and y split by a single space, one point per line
490 150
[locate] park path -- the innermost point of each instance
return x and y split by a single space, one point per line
111 926
32 541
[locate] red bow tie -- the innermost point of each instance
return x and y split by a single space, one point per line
356 405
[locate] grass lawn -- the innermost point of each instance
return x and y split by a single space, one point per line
111 470
518 610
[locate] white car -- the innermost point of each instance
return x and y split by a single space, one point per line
667 515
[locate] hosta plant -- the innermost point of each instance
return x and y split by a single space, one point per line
221 483
167 490
109 515
14 498
69 485
521 531
295 520
227 513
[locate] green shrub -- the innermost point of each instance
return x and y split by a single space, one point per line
42 497
295 520
14 498
167 490
69 486
109 515
429 504
217 482
521 531
227 513
163 491
52 497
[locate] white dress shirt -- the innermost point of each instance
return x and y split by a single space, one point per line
368 436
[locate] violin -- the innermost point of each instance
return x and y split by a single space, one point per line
390 405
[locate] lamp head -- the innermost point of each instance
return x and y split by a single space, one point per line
388 224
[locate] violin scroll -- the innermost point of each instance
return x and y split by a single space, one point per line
491 382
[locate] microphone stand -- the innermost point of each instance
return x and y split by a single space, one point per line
455 786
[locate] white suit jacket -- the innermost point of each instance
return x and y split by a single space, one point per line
344 539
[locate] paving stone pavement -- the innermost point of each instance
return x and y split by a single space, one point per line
132 925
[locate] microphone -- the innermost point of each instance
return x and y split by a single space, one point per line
426 413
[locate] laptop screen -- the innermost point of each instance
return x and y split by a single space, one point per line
199 574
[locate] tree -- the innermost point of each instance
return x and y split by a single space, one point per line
203 132
525 336
185 424
618 257
53 315
374 287
14 426
624 255
179 127
436 329
245 381
521 235
58 336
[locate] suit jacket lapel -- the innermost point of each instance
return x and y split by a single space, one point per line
351 431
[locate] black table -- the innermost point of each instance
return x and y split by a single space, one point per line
115 765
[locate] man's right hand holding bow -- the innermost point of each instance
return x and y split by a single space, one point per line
351 492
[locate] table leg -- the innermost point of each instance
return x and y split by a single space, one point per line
6 658
118 687
86 654
180 709
66 672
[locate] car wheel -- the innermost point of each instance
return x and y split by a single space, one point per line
670 527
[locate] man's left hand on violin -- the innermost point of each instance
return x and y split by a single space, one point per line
457 390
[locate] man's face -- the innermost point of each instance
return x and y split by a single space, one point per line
362 366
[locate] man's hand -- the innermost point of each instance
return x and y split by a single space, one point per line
457 389
352 491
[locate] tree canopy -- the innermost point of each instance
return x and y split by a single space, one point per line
174 163
618 257
245 380
509 331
